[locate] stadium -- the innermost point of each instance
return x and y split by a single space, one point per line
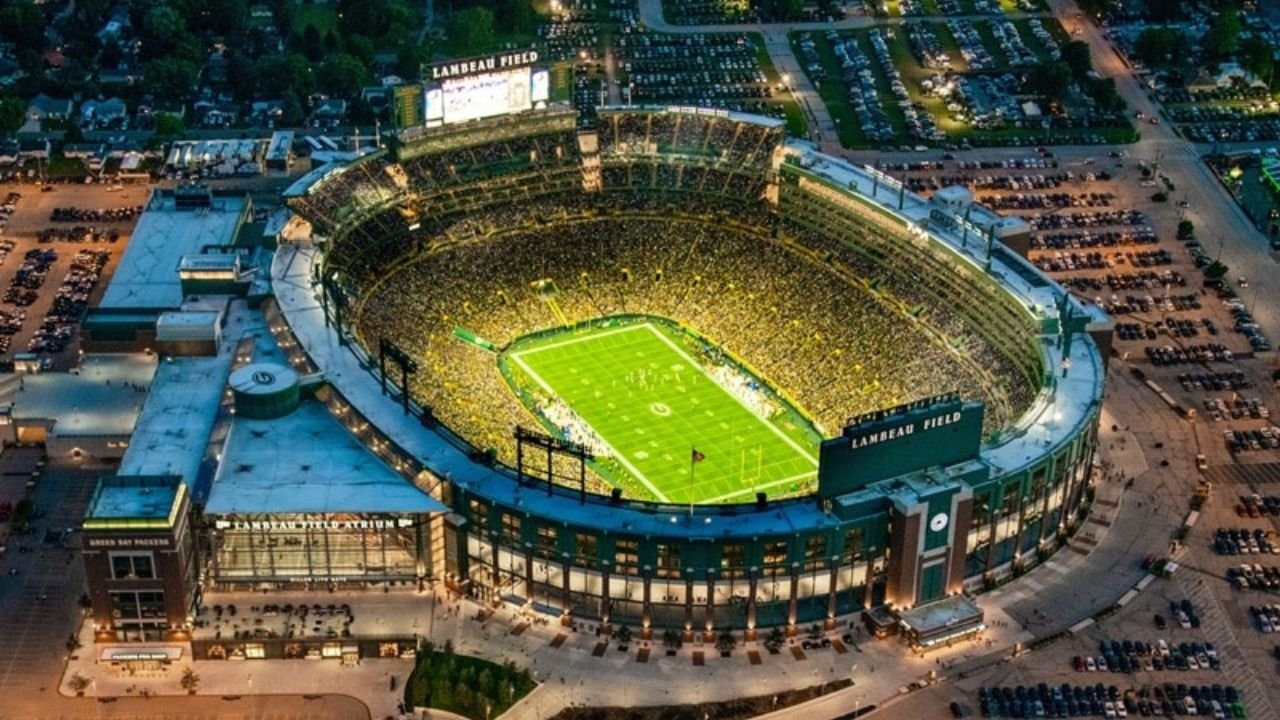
681 371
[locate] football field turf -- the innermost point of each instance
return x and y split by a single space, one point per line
652 404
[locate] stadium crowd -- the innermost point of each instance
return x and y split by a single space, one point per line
808 328
499 240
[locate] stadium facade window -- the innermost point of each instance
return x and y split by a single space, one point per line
775 557
130 606
511 528
668 561
733 561
132 566
586 549
626 556
815 553
854 543
547 537
480 516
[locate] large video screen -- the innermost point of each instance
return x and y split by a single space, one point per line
479 96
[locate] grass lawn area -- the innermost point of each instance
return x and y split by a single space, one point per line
989 40
467 686
1057 136
642 392
888 100
796 124
908 67
323 17
834 94
64 167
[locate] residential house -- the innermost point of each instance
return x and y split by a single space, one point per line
111 112
42 107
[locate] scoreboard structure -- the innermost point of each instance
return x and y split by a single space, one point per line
475 88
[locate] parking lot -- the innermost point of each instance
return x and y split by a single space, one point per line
58 250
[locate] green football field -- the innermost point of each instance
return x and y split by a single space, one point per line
652 404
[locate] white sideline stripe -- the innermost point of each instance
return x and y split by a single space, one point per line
622 459
575 341
679 351
748 491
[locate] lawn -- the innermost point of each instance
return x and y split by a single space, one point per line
796 125
639 388
833 92
466 686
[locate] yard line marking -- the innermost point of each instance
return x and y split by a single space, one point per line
680 351
621 458
575 341
748 491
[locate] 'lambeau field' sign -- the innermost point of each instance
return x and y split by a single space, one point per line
938 431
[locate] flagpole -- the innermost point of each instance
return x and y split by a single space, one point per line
693 466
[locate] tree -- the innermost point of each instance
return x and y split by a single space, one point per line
1223 38
371 18
1077 57
517 15
163 30
726 642
774 640
672 640
1048 79
278 74
168 125
190 680
1215 270
291 113
170 78
1186 230
13 113
409 60
343 75
1157 46
471 30
22 24
1257 56
622 634
78 683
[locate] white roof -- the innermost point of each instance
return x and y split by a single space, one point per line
306 462
147 278
198 318
103 397
177 419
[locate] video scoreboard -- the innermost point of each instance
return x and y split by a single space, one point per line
475 88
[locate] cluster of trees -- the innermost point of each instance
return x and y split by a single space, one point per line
474 25
324 51
468 686
1164 46
1052 79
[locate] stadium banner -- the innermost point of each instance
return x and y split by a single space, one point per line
937 432
481 87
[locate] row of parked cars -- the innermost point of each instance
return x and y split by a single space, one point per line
1146 303
1199 354
1077 240
1097 218
1108 701
1239 441
1215 381
1133 655
1243 541
1255 505
1254 577
1236 408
